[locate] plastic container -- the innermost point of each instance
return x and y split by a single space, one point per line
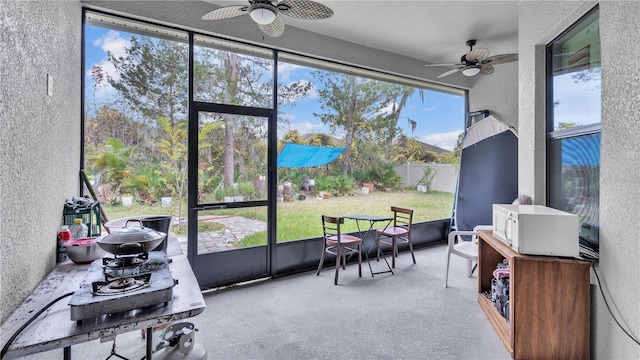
90 215
159 223
78 230
63 236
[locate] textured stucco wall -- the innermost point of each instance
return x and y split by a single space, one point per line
40 147
620 177
498 93
619 267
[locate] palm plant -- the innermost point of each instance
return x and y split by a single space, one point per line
112 160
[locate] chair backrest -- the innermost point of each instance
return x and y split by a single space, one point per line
331 227
402 217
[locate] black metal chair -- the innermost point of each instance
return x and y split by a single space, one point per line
339 244
399 231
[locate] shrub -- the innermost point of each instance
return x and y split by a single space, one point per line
427 177
246 189
344 184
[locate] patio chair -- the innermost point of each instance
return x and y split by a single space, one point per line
398 231
339 244
466 249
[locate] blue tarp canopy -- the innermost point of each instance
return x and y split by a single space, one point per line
296 155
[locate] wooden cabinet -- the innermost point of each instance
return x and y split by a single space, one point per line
549 302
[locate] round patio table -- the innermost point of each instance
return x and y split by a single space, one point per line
372 220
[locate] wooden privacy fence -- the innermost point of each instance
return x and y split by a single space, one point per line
444 180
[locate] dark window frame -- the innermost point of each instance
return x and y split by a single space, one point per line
554 185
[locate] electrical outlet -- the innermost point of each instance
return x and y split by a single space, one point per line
49 85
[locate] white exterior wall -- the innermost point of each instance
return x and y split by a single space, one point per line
40 147
619 267
498 93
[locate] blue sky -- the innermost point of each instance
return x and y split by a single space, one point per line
440 118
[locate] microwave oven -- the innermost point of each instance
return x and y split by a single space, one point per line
537 229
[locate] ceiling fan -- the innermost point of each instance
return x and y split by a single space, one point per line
267 13
476 62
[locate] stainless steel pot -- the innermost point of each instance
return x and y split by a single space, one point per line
82 251
131 239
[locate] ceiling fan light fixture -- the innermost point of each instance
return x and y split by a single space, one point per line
262 13
471 70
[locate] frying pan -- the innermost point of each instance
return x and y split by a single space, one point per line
131 239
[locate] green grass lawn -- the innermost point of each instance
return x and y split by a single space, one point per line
301 219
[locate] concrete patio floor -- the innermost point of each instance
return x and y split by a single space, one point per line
409 315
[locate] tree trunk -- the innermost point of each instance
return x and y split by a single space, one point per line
353 101
396 117
230 120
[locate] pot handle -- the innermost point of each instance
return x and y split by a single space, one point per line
126 224
130 245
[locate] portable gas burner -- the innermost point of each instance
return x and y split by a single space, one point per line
123 283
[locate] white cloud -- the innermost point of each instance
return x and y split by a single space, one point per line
112 42
285 70
115 44
443 140
305 127
105 89
387 110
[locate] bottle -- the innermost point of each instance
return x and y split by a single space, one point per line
63 236
78 229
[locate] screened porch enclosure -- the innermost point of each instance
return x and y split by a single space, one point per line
173 114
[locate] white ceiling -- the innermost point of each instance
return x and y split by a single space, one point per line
433 31
427 31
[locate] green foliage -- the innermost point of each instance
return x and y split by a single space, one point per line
246 189
382 175
222 191
412 150
208 182
324 183
146 183
567 125
173 148
344 184
113 160
427 177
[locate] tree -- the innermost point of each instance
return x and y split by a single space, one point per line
112 160
292 136
320 139
412 150
109 122
153 78
453 157
403 92
349 103
567 125
231 78
153 81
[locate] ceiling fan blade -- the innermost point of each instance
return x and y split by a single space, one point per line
447 73
486 69
477 54
500 59
450 64
226 12
275 29
304 9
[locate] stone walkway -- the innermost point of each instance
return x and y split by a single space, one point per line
236 229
